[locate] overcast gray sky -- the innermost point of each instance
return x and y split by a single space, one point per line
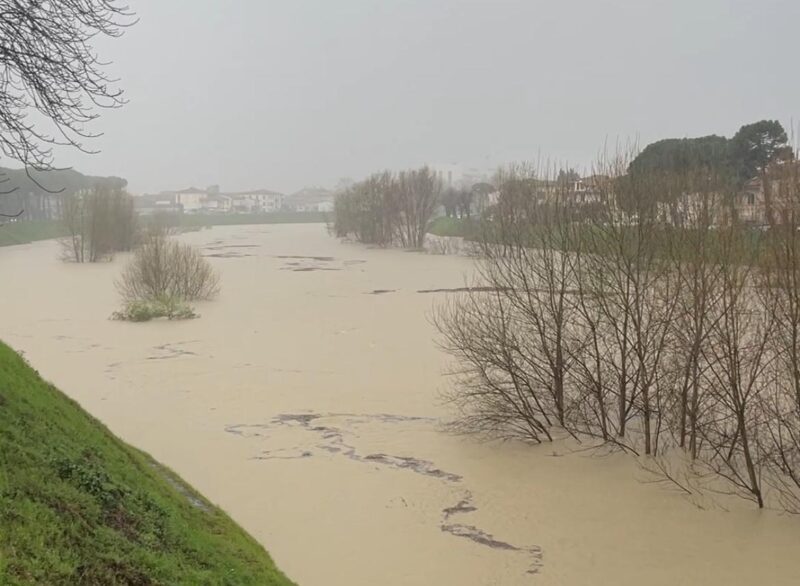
283 94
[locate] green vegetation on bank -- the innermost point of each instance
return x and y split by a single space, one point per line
26 231
389 209
484 230
79 506
23 232
741 157
445 226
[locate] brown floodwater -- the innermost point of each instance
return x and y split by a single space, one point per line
305 402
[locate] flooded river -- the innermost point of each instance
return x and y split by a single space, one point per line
305 402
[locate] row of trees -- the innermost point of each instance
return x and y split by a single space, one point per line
41 194
463 202
741 157
389 209
99 222
650 336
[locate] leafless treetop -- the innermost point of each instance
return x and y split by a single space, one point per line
48 68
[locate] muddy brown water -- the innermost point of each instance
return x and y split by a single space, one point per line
309 410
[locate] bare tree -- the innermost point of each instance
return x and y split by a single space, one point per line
48 65
416 196
594 402
527 248
695 257
125 221
75 217
388 209
163 269
740 362
632 286
780 291
641 313
365 210
494 393
99 222
512 343
573 304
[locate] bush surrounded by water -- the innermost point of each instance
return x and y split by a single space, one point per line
147 309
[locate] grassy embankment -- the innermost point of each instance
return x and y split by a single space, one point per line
752 240
23 232
79 507
464 227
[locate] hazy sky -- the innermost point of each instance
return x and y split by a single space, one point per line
282 94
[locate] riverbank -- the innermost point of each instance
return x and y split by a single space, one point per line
79 506
27 231
445 226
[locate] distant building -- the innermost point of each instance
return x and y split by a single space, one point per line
310 199
771 202
211 200
750 203
757 203
216 203
590 190
256 201
154 204
190 200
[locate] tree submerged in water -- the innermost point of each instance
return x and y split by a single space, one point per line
162 278
631 331
389 208
99 223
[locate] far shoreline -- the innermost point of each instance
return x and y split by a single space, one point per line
27 231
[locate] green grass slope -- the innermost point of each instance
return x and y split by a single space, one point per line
26 231
79 506
444 226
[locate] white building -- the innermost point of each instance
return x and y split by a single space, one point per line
190 200
155 204
254 201
193 200
311 199
217 203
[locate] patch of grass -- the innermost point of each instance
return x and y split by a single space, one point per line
80 507
147 309
25 231
444 226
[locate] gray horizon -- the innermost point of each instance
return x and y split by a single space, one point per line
281 95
